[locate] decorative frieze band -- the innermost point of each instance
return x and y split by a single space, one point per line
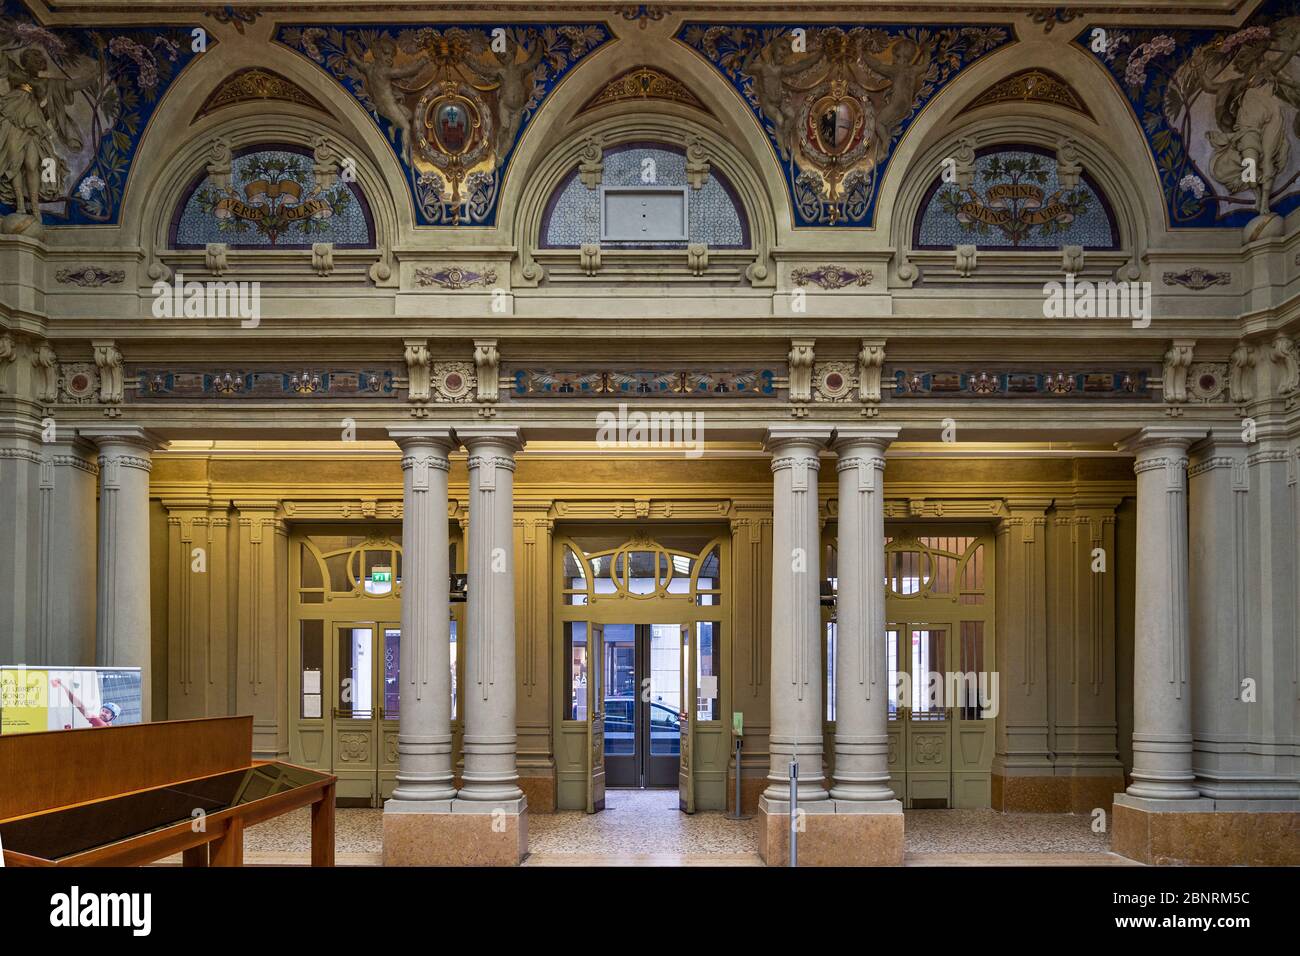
1128 384
154 384
636 384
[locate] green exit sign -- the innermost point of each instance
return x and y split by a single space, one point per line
381 575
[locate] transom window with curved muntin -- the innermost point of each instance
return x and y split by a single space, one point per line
642 569
950 567
938 566
349 566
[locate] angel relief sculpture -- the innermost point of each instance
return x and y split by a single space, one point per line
451 101
835 99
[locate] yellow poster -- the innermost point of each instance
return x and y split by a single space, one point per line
24 700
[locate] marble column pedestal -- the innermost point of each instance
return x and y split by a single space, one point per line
1205 832
835 833
456 833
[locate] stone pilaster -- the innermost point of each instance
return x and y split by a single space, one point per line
424 772
123 631
751 570
69 475
1022 755
198 601
21 471
534 585
262 617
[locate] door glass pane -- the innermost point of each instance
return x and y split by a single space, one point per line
453 668
354 670
392 671
927 672
312 646
665 690
830 670
621 690
891 657
575 674
972 671
707 657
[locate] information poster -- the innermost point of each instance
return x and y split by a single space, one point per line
68 698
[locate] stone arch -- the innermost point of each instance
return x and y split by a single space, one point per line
729 130
178 138
173 182
1122 166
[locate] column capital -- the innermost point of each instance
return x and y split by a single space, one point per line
419 435
508 437
1155 439
120 434
878 437
784 436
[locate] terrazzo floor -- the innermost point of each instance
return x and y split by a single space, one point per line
644 827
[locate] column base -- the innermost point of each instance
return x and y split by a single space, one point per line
836 833
1206 832
465 833
1042 793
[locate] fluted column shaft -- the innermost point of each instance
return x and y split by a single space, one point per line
796 616
424 744
861 664
122 606
1162 712
490 735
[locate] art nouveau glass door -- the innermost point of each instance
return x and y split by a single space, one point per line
365 711
686 766
595 718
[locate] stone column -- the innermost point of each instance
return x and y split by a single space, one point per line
490 744
861 666
123 633
69 475
488 822
1162 707
797 709
424 770
21 481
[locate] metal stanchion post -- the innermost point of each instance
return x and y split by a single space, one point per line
736 814
794 811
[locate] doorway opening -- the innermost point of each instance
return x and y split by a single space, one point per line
643 705
641 696
344 656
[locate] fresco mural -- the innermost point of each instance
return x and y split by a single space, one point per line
835 100
451 100
1219 109
74 104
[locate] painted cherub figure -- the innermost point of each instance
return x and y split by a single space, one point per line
513 81
904 75
770 67
34 120
380 74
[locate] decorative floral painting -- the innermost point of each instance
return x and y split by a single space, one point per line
835 100
1015 201
1220 110
273 199
82 98
451 100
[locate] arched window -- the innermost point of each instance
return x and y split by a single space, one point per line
1015 200
273 199
641 568
337 566
647 198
